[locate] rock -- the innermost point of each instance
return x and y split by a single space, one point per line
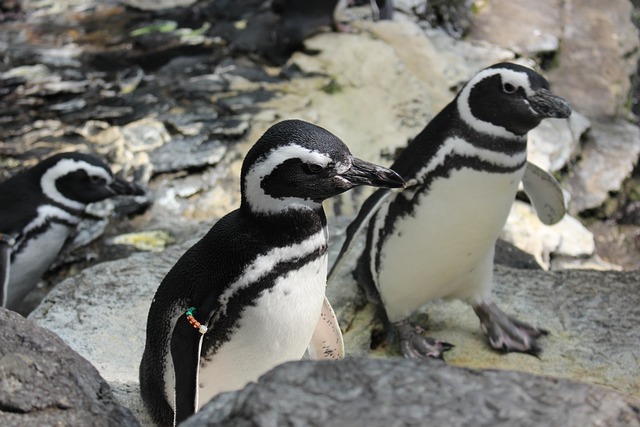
112 299
608 158
566 238
555 142
157 4
539 33
509 255
374 392
583 310
189 152
599 52
44 382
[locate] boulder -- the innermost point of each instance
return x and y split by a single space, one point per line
44 382
393 392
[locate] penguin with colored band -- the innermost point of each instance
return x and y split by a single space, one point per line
251 293
41 206
436 239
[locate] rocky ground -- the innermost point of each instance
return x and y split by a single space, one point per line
174 98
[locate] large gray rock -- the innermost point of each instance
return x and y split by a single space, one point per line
539 33
403 392
44 382
600 48
102 314
609 156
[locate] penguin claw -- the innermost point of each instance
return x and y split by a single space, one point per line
507 334
414 345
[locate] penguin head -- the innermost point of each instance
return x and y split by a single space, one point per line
297 165
507 100
76 179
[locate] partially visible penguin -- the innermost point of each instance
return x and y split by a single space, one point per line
40 207
436 238
300 19
251 294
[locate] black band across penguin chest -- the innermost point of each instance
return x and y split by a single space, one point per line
286 245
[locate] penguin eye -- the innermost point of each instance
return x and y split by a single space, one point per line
97 180
312 168
509 88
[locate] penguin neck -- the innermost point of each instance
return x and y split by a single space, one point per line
296 221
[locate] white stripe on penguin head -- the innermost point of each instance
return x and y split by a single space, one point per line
62 168
261 202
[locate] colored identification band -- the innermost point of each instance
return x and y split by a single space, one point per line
193 322
7 239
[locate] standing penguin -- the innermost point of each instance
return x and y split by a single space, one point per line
436 238
251 294
39 208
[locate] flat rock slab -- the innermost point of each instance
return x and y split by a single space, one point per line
43 382
400 392
592 318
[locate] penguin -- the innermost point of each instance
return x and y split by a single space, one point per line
436 238
41 206
251 293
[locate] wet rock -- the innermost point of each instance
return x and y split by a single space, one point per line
44 382
183 153
375 392
608 158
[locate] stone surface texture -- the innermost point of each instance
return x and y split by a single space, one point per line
43 382
401 392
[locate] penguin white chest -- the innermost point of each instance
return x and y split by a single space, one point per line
444 249
34 259
276 328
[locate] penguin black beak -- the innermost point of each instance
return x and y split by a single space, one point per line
365 173
120 187
548 105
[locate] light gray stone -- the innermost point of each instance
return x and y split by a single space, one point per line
539 33
600 48
565 238
608 158
555 142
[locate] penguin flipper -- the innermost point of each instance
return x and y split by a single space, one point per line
369 208
5 268
545 194
326 342
186 345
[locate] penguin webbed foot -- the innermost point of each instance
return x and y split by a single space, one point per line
506 333
414 345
